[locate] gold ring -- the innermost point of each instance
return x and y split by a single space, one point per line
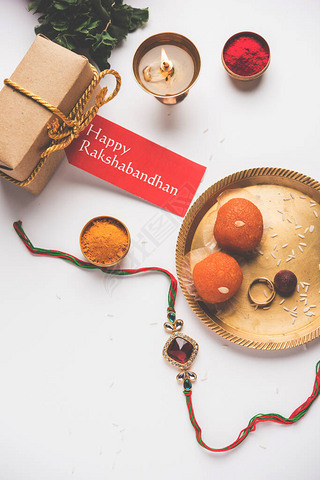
269 299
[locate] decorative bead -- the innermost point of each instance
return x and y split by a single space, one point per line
186 375
180 350
187 384
180 377
168 327
192 376
178 324
171 316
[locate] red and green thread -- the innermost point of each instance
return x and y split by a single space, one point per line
255 420
259 418
111 271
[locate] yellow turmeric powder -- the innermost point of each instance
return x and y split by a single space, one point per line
104 241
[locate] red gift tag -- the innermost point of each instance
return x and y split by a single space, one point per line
136 165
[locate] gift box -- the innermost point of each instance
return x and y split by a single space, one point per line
56 75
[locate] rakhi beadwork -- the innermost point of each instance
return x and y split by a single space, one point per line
181 350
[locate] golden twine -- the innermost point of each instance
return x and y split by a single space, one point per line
72 125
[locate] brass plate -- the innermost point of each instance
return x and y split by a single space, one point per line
274 190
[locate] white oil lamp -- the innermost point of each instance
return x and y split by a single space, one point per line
166 66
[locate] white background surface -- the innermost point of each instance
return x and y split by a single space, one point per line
85 392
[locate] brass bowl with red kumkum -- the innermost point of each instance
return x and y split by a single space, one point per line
246 56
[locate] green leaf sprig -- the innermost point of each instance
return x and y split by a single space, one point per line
92 27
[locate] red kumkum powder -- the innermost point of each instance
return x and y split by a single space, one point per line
246 55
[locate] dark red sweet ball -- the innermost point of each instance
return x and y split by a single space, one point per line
285 282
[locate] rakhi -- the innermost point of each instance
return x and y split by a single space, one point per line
181 350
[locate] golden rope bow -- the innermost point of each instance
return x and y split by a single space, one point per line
73 124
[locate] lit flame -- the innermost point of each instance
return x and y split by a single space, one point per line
157 72
166 64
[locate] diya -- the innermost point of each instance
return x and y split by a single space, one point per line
166 66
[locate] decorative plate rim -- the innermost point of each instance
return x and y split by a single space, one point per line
181 249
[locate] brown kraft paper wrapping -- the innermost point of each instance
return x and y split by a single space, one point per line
58 76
